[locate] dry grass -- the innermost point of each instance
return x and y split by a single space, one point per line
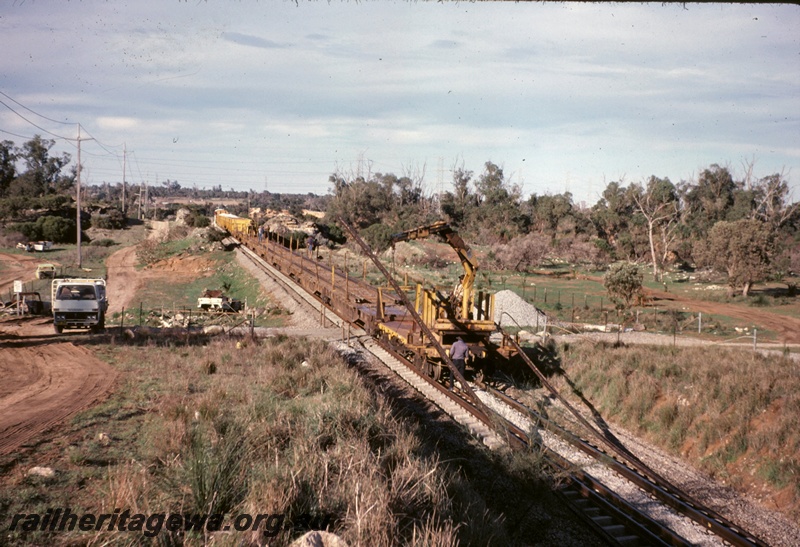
277 427
734 414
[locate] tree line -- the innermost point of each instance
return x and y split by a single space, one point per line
747 229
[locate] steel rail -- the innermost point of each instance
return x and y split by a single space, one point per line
645 476
512 433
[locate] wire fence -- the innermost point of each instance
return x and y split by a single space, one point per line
572 311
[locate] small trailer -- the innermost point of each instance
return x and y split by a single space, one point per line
216 300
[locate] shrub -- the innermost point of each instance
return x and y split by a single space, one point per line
623 281
197 220
57 229
213 235
114 219
378 236
103 242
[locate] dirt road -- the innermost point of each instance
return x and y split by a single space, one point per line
123 279
22 267
787 328
46 380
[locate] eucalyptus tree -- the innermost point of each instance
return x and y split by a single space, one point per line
658 203
8 170
744 249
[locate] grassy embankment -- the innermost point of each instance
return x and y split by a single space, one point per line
733 414
277 427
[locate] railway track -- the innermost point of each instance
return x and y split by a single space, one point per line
614 515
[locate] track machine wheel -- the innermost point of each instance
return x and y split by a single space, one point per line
58 328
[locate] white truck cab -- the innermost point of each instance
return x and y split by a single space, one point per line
79 303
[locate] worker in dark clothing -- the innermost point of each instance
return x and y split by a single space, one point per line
459 352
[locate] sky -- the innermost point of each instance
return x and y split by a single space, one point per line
273 95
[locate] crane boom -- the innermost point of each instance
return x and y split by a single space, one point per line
468 261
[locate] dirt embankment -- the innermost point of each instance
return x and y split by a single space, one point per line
125 282
22 267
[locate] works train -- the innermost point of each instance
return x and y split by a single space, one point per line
462 312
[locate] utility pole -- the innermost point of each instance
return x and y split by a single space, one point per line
124 157
441 182
78 198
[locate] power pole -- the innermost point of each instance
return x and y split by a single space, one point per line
124 157
441 183
78 198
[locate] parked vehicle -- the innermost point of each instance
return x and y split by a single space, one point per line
79 303
216 300
45 271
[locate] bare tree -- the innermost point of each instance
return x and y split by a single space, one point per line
660 207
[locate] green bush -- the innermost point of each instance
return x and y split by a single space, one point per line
103 242
623 281
379 237
213 235
50 228
197 220
114 219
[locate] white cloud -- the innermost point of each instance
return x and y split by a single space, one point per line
112 123
577 91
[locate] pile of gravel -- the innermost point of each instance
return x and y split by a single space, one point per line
508 303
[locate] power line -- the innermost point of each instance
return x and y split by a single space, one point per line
68 139
16 135
35 125
6 95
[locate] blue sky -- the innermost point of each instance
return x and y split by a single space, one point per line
279 95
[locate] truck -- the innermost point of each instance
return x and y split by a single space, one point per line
79 303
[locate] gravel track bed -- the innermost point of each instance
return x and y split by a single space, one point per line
769 526
637 497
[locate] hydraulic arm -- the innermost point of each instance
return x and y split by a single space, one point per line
463 293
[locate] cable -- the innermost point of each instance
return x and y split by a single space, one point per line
35 125
33 111
16 135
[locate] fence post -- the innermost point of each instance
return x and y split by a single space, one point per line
755 338
122 319
699 322
140 314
